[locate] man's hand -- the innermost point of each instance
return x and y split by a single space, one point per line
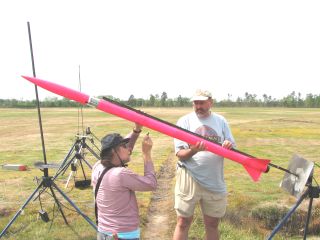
227 144
200 146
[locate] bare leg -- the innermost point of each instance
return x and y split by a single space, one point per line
182 228
211 225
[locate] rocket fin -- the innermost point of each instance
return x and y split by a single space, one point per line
255 171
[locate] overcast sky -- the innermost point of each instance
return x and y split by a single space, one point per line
150 47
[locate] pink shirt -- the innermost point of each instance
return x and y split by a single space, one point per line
116 200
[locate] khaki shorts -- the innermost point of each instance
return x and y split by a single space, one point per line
188 193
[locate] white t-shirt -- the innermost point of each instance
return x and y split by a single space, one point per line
206 167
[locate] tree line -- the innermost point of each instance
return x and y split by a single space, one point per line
293 100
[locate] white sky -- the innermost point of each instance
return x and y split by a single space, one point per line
147 47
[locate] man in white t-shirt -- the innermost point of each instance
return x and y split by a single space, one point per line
200 173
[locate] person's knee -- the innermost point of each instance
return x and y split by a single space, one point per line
211 222
183 222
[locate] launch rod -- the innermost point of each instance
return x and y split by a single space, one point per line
45 170
193 133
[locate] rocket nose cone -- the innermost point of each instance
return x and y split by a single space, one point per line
29 78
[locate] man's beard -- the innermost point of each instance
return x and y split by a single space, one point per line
202 112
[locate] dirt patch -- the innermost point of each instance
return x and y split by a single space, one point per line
161 216
4 212
294 120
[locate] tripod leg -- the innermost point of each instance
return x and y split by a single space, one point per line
20 210
81 165
66 158
308 219
93 152
64 169
70 175
58 204
75 207
284 220
87 163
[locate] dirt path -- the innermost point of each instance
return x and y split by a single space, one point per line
161 217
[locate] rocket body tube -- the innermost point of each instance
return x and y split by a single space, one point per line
254 166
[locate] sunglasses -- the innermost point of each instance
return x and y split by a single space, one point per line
124 145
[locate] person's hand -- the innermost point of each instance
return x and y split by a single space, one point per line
227 144
147 144
200 146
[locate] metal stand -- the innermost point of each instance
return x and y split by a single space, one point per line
78 158
48 183
311 192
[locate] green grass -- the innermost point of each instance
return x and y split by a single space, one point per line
22 144
270 133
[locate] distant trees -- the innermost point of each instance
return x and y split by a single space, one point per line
132 101
292 100
157 101
152 100
312 101
47 102
163 99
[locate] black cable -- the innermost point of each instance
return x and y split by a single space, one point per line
39 196
47 192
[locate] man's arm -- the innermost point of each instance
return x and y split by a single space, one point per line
184 154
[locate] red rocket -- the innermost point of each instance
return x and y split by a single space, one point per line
254 166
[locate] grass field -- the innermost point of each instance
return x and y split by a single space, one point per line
254 208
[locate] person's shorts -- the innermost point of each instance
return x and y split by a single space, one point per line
101 236
188 193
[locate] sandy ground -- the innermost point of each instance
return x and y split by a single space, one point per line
161 218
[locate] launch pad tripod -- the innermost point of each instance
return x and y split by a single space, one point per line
296 186
76 157
311 192
47 182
